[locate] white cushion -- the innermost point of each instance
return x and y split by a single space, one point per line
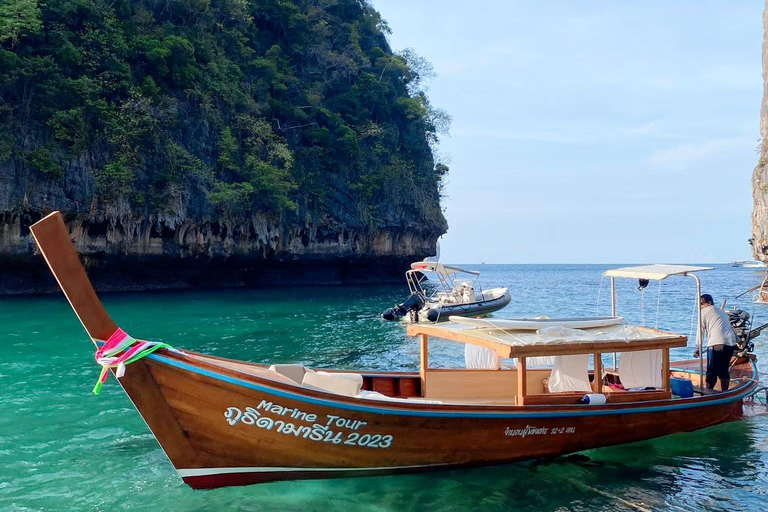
295 372
333 383
354 377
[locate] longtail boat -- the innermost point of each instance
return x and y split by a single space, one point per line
226 422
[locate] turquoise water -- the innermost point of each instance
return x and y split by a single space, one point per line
62 448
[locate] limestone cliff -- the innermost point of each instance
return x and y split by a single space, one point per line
759 239
215 142
188 244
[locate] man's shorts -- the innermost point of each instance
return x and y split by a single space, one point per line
718 363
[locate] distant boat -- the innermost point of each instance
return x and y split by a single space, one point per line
453 296
748 264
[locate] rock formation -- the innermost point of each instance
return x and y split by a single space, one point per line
759 239
215 143
189 245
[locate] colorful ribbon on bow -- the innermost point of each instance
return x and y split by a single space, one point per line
120 350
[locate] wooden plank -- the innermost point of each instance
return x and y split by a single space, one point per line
637 396
383 385
409 387
52 237
590 348
522 382
554 398
424 363
597 382
665 369
471 383
501 349
615 397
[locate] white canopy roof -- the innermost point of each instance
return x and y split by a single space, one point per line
657 272
553 340
435 266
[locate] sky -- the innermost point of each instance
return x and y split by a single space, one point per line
592 131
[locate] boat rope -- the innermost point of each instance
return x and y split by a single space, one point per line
120 350
693 315
599 291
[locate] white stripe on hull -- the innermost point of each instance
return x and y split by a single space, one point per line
218 471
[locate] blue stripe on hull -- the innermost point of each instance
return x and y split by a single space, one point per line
684 403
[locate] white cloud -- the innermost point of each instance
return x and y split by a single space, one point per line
582 133
686 155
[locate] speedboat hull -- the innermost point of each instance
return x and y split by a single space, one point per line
441 312
416 310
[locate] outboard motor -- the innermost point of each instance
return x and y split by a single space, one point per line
742 324
412 304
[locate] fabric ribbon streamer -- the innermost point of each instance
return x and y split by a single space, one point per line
120 350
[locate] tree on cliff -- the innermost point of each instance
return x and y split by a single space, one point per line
272 105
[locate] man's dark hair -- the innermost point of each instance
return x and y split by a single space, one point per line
707 299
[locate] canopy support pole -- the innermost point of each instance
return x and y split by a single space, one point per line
522 380
698 331
665 369
613 313
423 364
597 382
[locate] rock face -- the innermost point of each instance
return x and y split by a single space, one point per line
201 143
190 245
759 240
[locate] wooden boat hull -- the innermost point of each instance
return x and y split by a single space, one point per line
243 430
224 422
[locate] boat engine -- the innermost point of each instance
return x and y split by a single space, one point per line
742 324
411 305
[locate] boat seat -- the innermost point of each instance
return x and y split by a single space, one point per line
347 384
295 372
467 292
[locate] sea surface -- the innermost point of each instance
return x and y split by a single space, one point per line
63 448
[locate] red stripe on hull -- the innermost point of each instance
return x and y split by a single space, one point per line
233 479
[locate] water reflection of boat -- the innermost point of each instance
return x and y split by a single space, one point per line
457 293
748 264
227 422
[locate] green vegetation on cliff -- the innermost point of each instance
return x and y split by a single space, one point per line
268 105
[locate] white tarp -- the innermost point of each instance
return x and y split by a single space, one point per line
556 335
480 358
570 374
640 369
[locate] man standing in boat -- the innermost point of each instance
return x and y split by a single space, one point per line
721 341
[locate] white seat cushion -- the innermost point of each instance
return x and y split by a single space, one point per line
295 372
333 383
